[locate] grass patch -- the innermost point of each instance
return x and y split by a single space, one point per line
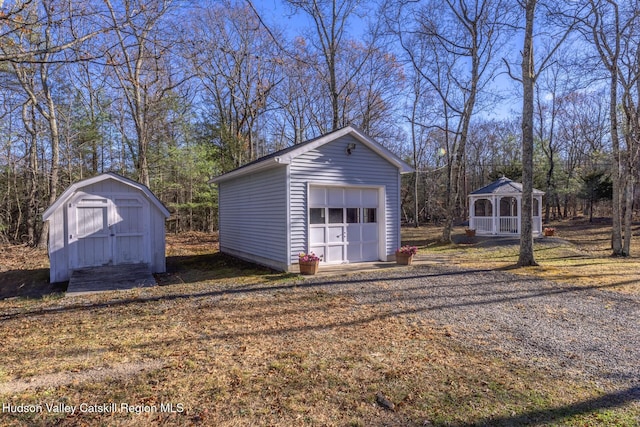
580 255
228 343
299 357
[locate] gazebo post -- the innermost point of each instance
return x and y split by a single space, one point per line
539 220
472 213
494 214
519 209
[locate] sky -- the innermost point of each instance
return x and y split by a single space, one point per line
280 14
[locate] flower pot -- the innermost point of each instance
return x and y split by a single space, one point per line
549 232
309 268
403 259
470 233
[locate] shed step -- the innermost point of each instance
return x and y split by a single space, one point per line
109 278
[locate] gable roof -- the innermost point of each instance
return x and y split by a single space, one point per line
503 186
105 176
286 155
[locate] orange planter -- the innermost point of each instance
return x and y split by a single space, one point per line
403 259
309 268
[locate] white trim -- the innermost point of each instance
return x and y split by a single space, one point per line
356 133
287 157
495 213
76 187
381 216
262 165
288 217
382 222
109 203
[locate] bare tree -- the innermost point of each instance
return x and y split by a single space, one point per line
21 17
452 46
526 257
553 95
582 136
629 76
31 48
138 62
238 67
529 75
330 19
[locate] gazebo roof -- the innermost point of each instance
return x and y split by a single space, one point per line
503 186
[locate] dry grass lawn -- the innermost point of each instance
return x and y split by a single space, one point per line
579 254
223 351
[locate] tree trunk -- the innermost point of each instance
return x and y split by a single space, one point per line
415 155
55 150
528 80
626 247
29 119
616 229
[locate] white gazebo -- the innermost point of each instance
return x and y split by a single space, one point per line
495 209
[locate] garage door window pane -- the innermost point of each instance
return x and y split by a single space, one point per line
353 215
336 215
316 216
369 215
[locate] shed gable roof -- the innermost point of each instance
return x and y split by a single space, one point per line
286 155
503 186
105 176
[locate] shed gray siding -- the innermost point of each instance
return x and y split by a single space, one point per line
253 217
58 249
330 165
109 186
157 236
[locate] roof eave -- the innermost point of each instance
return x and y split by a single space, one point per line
268 163
288 157
89 181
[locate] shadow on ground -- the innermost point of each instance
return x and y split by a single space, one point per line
558 414
34 283
212 266
28 284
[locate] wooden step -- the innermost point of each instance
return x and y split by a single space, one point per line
110 278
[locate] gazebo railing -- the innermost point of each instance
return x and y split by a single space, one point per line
508 225
483 225
503 225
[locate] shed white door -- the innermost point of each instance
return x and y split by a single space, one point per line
343 223
89 234
105 230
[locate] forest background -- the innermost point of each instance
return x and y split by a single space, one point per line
172 93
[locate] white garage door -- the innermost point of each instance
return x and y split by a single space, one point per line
343 223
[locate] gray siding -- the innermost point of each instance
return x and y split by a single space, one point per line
156 224
329 164
157 240
253 217
59 249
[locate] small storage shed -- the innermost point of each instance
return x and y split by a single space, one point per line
337 195
105 220
495 209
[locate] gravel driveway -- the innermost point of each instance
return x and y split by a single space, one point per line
589 333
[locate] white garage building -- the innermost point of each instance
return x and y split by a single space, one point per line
337 195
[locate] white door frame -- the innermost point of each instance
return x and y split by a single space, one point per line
381 216
106 200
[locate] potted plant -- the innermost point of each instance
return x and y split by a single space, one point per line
404 255
549 231
308 263
470 232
